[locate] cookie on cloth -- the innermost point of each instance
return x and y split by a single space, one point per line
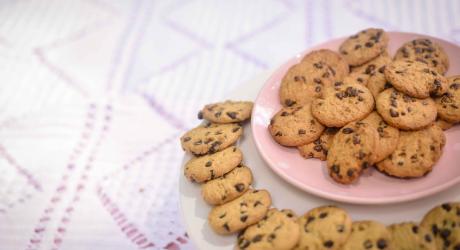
405 112
351 151
227 112
208 167
294 126
210 138
415 154
343 104
448 105
367 235
326 227
278 231
415 79
306 80
411 236
227 187
240 213
426 51
444 223
364 46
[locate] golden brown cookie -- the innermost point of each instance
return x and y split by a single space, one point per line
367 235
364 46
416 153
448 105
426 51
277 231
343 104
351 151
411 236
405 112
326 227
306 80
415 79
444 223
226 112
294 126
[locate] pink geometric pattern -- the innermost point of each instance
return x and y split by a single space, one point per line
95 94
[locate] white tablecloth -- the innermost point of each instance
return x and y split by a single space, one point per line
94 94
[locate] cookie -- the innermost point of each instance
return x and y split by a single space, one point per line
444 223
240 213
405 112
208 167
278 231
294 126
319 147
388 136
306 80
426 51
343 104
351 151
227 187
410 236
415 154
364 46
415 79
326 227
444 125
210 138
368 235
374 70
226 112
448 105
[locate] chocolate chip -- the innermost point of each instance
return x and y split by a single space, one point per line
356 139
434 229
457 247
278 134
328 244
317 80
186 139
370 69
382 244
296 78
318 65
415 229
369 44
455 86
368 244
199 142
222 215
243 218
235 129
310 219
445 233
335 168
350 172
289 102
393 113
271 237
257 203
323 215
284 113
243 243
360 98
217 114
208 164
227 228
318 148
302 131
427 238
340 228
357 46
232 115
446 206
200 115
318 89
382 69
347 130
257 238
240 187
365 165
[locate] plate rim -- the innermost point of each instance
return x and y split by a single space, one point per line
328 195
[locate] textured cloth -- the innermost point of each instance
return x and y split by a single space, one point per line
95 93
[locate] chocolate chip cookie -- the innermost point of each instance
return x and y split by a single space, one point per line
444 223
405 112
208 167
364 46
368 235
278 231
343 104
319 147
240 213
306 80
426 51
415 154
294 126
351 151
210 138
444 125
326 227
227 112
228 187
448 105
415 79
411 236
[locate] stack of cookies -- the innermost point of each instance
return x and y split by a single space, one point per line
359 107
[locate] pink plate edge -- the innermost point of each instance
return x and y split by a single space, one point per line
328 195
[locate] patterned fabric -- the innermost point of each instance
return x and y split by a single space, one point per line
95 93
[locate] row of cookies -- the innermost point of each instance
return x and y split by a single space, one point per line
321 96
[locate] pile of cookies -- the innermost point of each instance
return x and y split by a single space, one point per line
226 184
359 107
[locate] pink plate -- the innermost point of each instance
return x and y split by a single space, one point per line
373 187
